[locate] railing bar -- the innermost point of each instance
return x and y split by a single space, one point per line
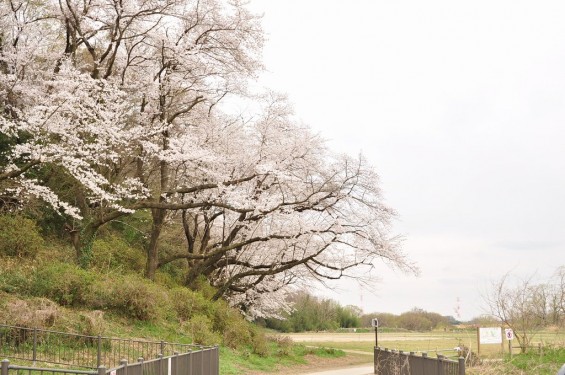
54 370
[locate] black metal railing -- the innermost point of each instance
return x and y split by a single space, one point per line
60 348
392 362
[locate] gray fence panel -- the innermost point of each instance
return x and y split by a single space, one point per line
416 365
389 362
135 369
182 364
197 363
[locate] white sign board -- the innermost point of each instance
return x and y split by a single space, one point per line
509 334
374 322
490 335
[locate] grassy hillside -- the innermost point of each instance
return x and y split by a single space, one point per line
42 287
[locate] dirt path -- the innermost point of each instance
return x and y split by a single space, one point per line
356 362
317 364
358 370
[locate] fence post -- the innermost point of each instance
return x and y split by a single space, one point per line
210 366
176 355
124 364
101 370
160 356
5 367
99 352
217 359
461 366
162 347
34 345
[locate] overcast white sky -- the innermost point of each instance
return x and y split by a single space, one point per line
460 105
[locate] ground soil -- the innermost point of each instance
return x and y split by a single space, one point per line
320 364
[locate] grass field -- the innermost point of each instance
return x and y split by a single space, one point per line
430 342
545 357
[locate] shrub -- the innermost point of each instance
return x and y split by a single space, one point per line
237 331
188 303
32 313
172 274
15 275
133 228
201 331
91 323
130 295
19 236
114 253
259 343
64 283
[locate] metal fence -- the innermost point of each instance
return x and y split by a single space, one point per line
201 362
37 345
392 362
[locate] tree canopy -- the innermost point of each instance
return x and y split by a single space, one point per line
109 107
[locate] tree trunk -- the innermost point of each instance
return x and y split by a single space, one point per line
153 247
82 242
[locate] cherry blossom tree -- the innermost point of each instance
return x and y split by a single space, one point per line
165 60
123 99
291 212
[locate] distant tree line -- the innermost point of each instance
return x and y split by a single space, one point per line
311 313
414 320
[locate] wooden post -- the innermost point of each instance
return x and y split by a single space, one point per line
478 342
510 347
503 336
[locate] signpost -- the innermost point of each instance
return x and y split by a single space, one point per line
375 324
509 336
